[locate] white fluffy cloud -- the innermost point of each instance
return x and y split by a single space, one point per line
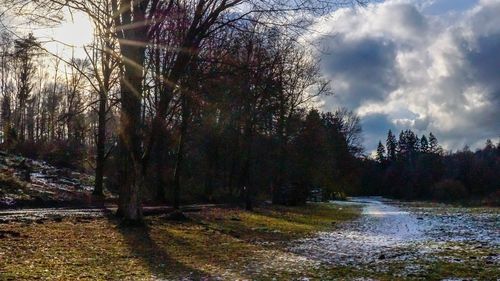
400 67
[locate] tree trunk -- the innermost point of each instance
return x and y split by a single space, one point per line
130 140
180 150
160 164
130 146
101 141
245 182
280 180
131 168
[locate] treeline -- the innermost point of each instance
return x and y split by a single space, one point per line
243 131
410 167
48 109
191 100
182 101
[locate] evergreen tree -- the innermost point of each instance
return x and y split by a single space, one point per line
489 145
434 145
424 144
24 55
380 152
391 145
406 143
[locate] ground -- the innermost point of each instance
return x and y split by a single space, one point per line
363 239
409 241
45 186
360 239
215 243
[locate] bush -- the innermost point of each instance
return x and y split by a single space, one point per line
339 195
63 154
9 183
492 199
449 190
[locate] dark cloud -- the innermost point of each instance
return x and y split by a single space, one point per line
408 18
485 60
422 124
367 66
400 68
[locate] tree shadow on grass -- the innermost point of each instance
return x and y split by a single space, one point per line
159 261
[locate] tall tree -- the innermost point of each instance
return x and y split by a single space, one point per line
424 144
351 129
25 51
5 85
380 156
434 144
391 145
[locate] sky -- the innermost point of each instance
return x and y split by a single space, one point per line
68 39
425 65
428 66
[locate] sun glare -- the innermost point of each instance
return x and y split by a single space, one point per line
71 36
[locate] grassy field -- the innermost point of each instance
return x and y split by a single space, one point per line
221 243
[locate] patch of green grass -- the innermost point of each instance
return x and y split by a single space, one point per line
465 270
274 223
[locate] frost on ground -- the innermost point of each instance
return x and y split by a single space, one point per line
31 183
412 236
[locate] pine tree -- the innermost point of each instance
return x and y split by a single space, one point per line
24 55
380 152
434 145
489 145
391 145
424 144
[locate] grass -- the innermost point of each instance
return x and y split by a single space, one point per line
227 243
455 261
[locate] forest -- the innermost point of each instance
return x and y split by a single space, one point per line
419 168
198 104
201 140
201 104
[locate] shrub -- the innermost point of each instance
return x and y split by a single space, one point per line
493 199
9 183
449 190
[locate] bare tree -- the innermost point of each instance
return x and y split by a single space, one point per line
5 88
187 24
350 127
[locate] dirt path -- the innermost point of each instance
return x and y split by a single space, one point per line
394 232
380 233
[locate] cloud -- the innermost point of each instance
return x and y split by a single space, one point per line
364 68
375 126
400 66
